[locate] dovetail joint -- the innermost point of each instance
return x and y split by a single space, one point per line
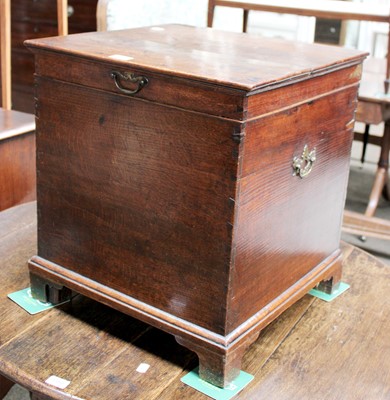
238 136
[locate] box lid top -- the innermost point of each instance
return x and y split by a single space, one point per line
236 60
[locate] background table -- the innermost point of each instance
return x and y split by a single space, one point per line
315 350
373 108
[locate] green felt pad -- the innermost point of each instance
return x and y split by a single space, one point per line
329 297
192 379
24 299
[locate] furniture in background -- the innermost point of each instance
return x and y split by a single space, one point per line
17 136
315 350
373 108
17 129
33 19
373 101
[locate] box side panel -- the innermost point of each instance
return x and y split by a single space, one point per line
135 196
287 225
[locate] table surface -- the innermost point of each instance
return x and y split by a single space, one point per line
372 87
314 350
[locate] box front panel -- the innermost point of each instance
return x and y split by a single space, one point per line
163 89
136 196
287 225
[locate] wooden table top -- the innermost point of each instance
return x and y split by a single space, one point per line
372 87
314 350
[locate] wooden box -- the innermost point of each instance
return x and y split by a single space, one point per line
192 178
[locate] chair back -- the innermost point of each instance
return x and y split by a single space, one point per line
5 29
62 16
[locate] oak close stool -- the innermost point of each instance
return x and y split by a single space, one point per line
192 178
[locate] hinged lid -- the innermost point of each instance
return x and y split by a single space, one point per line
236 60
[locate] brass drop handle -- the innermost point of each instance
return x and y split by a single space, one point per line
303 165
141 81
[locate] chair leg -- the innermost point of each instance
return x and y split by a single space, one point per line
245 21
5 45
5 386
386 189
210 13
365 142
62 17
377 188
381 177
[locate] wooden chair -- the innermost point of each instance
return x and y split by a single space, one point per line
101 15
17 129
371 109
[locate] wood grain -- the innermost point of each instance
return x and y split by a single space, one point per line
194 218
289 204
17 245
308 90
167 90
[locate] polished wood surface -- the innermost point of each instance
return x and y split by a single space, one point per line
14 123
17 166
188 203
313 350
